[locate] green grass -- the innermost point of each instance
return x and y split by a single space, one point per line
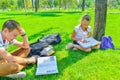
72 65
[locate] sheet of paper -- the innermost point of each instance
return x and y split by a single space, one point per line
46 65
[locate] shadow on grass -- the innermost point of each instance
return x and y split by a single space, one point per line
40 34
44 14
6 18
72 58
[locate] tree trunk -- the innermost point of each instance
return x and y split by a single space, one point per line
100 19
25 7
59 4
36 5
83 5
65 4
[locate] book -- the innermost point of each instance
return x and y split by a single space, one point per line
90 43
46 65
47 51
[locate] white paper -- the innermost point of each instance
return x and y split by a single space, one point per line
90 42
46 65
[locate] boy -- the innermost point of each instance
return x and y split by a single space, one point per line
11 64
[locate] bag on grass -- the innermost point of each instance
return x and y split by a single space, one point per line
37 47
107 42
52 39
41 47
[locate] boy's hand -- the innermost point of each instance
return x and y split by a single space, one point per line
22 32
32 60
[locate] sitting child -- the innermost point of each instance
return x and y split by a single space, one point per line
81 34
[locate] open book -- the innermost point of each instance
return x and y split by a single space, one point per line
90 42
46 65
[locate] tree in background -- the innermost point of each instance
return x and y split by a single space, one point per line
83 5
53 4
59 4
100 18
36 5
20 4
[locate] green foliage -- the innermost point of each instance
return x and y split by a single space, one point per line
53 4
72 65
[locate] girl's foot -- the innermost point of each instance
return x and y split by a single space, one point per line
74 49
70 45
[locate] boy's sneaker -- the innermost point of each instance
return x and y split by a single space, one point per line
17 75
70 45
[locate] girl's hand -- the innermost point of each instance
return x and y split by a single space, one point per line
84 41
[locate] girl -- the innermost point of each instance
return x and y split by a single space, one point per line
81 33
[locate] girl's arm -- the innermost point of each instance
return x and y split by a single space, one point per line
89 34
75 39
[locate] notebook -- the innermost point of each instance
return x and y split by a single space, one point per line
90 42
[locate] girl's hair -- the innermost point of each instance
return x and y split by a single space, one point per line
86 17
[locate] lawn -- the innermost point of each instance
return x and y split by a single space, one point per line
72 65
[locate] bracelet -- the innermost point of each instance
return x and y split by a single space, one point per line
23 34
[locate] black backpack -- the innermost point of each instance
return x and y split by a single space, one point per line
51 39
38 46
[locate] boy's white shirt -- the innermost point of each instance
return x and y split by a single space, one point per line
5 45
80 33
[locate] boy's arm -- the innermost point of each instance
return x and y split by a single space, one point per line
25 43
10 58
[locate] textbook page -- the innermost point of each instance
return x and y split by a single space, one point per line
46 65
90 42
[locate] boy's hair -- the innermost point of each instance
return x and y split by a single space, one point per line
11 25
86 17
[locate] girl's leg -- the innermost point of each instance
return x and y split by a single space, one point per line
96 46
70 45
83 49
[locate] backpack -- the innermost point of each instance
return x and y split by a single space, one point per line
37 48
51 39
107 42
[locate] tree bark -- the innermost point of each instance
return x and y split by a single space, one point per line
83 5
59 4
25 7
36 5
100 19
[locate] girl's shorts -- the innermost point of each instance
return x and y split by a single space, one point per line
75 42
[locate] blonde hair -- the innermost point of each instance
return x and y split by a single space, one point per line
86 17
